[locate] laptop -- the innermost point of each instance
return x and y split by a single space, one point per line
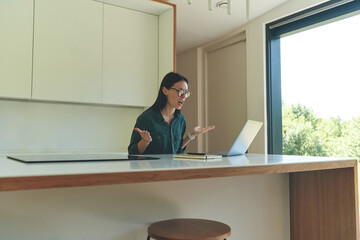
243 140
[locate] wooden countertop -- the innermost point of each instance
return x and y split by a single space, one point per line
20 176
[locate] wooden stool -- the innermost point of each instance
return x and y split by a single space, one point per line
188 229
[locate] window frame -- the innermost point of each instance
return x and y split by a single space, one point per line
280 28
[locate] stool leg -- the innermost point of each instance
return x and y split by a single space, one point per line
148 238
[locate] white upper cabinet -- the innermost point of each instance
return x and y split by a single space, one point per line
16 29
166 43
68 50
130 69
85 51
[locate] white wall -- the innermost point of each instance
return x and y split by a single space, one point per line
35 126
255 211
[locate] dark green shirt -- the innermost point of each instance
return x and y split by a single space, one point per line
165 139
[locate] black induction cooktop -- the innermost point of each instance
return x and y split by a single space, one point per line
63 158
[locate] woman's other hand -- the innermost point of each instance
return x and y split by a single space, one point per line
145 135
199 130
196 131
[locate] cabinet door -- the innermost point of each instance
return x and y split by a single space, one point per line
68 50
16 31
130 57
166 43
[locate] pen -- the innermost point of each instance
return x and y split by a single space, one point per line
197 153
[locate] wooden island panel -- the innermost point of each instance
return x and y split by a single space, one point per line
324 204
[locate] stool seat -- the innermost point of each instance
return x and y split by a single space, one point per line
188 229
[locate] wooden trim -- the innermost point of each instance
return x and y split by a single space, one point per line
40 182
174 33
175 23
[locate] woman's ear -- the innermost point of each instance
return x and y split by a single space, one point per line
165 91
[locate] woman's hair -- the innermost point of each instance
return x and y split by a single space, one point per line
168 81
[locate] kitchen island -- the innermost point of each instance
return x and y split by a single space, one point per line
323 191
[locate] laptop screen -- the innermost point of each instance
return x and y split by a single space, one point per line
245 138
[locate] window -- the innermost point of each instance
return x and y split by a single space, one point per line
277 32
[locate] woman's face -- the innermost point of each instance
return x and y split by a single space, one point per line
172 94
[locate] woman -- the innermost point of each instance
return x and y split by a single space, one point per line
160 129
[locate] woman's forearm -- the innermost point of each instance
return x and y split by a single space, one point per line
186 140
142 145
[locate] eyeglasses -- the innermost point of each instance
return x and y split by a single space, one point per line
182 92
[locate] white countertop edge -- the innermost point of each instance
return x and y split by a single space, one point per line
10 168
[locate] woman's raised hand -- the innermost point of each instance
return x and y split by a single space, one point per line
199 130
145 135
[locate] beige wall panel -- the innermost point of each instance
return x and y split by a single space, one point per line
68 50
130 66
226 95
187 66
16 30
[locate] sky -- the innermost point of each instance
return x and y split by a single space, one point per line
320 68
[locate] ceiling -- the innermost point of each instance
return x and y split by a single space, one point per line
197 25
